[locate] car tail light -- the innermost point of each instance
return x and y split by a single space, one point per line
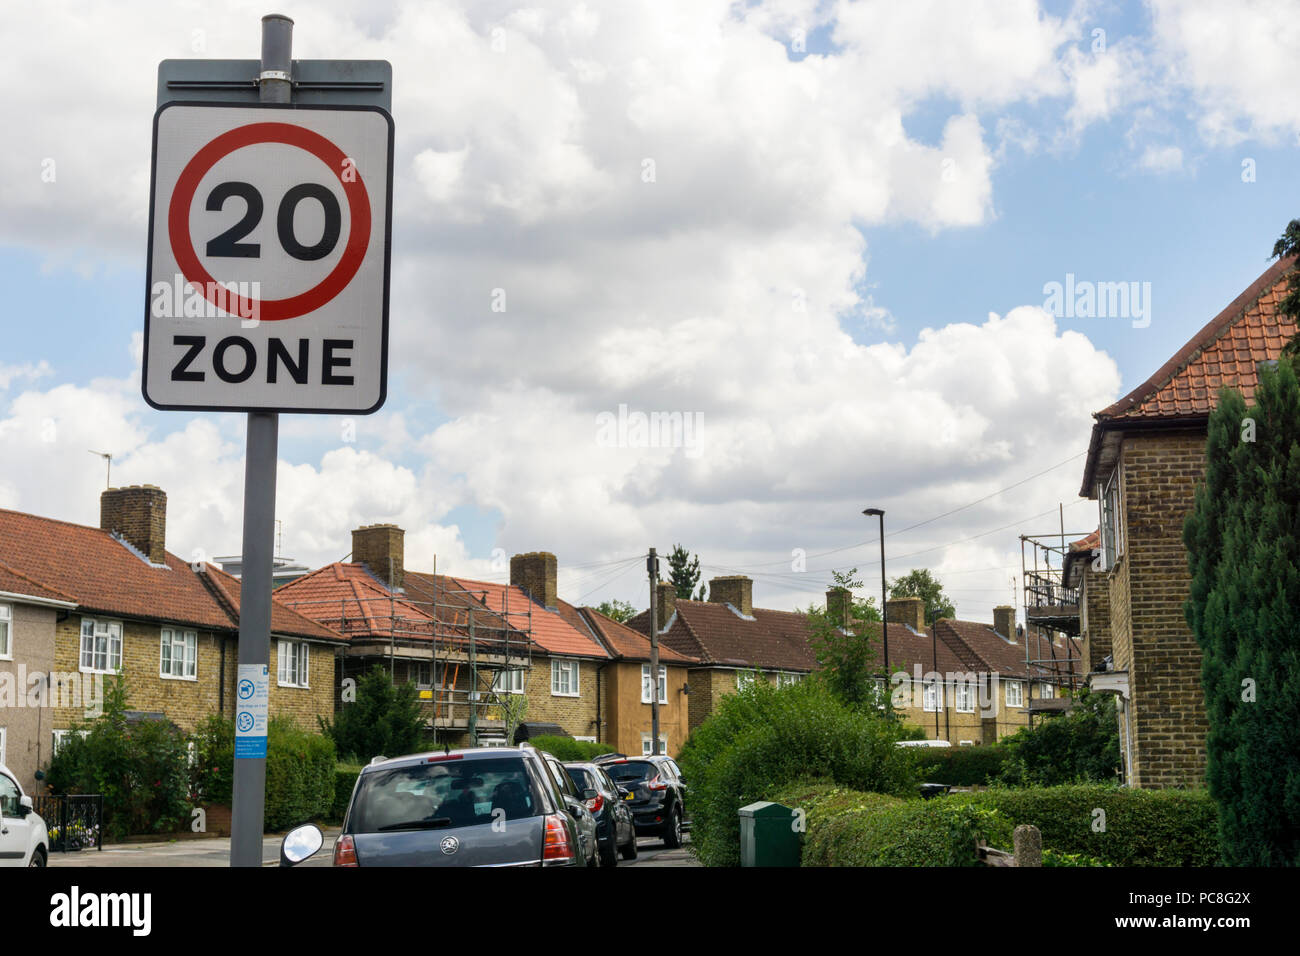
595 803
345 852
656 784
556 848
442 757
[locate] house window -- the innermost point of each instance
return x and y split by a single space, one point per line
564 678
645 744
509 681
101 646
965 698
291 663
930 697
788 680
1047 691
1015 694
180 654
645 684
62 736
965 743
6 628
1108 499
745 678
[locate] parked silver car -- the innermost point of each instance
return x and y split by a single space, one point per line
481 807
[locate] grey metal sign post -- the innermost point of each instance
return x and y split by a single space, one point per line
311 85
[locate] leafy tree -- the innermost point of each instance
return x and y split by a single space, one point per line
1079 746
921 583
385 720
1243 543
685 572
1288 244
618 610
842 644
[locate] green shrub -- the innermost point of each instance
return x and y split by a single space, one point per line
962 766
851 828
345 780
212 773
300 783
139 768
1142 827
1079 746
763 737
568 750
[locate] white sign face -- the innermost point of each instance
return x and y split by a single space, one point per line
252 708
268 259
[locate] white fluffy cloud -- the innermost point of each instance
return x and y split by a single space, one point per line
671 200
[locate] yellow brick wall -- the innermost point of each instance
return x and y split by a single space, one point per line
627 718
187 702
577 715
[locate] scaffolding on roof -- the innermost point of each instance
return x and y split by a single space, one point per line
468 659
1052 654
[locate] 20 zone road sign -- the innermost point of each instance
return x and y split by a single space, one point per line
269 232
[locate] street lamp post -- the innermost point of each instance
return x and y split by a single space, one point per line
884 629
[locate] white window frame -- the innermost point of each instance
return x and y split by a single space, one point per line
6 634
189 660
59 736
300 652
788 678
509 681
965 743
112 637
745 678
963 692
1046 691
570 670
645 684
645 744
1018 699
1110 507
931 691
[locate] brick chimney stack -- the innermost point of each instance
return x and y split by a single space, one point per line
665 604
536 573
382 549
906 610
736 590
839 606
139 515
1004 621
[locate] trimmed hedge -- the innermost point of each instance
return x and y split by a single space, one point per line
763 736
568 750
1142 827
300 781
345 780
963 766
851 828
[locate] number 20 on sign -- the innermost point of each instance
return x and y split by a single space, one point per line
269 253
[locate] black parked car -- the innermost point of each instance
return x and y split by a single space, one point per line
575 800
615 829
656 794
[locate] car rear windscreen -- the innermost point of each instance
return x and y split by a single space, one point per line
445 794
581 778
633 770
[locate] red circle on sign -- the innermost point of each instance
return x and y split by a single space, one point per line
178 220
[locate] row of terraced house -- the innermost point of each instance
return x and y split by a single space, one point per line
493 662
496 661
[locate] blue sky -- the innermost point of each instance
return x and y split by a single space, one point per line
1132 175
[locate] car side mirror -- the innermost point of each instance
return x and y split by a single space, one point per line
623 791
25 805
589 794
300 844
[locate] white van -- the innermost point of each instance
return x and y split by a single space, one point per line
23 837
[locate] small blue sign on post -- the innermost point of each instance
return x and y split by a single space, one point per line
252 705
